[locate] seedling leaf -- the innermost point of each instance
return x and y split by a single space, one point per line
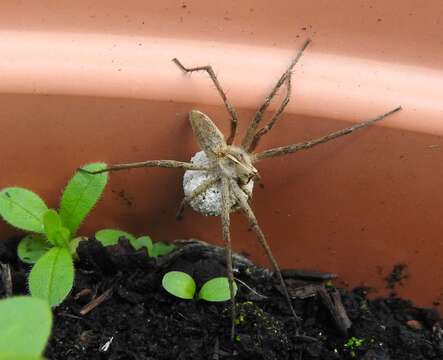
22 208
57 234
179 284
161 248
26 326
32 247
80 195
51 221
216 289
109 237
142 241
62 237
52 276
73 245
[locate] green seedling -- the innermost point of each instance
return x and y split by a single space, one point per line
110 237
51 245
183 286
26 326
179 284
353 343
240 319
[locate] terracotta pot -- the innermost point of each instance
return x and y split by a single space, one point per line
87 81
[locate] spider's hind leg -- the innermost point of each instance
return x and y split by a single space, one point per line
242 200
226 209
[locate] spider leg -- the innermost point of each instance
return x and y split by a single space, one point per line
228 105
284 150
243 202
197 191
149 163
250 133
258 135
227 240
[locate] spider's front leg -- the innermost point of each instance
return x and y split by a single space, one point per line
252 137
229 107
149 163
243 202
290 149
226 209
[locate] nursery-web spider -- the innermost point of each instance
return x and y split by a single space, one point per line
232 167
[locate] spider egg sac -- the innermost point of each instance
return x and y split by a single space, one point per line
209 202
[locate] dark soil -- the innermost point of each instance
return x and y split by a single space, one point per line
395 277
119 311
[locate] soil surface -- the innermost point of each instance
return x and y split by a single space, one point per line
118 310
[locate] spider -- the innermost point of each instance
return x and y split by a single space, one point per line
230 169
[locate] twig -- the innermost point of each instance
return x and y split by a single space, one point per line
305 274
251 289
65 314
6 277
82 292
306 338
216 355
96 302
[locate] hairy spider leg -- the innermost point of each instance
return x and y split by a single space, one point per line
247 210
226 224
228 105
258 135
149 163
289 149
250 133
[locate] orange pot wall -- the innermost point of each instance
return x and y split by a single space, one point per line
86 81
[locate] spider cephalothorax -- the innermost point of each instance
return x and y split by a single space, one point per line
236 163
219 179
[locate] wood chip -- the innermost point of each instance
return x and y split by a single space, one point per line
332 300
414 324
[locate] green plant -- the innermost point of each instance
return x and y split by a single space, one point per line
110 237
353 343
183 286
25 328
52 244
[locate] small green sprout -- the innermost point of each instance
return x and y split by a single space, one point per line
183 286
329 284
179 284
240 319
26 326
364 306
110 237
216 289
353 343
52 244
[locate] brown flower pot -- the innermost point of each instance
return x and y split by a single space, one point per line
86 81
